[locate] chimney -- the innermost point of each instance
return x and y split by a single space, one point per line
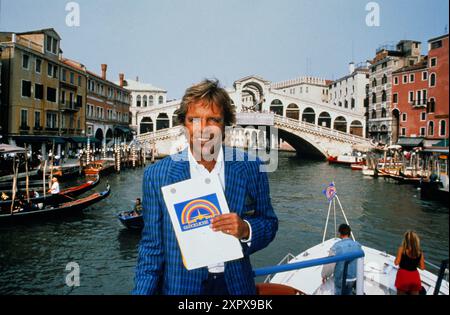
121 78
104 68
351 67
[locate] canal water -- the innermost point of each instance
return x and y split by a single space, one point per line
34 256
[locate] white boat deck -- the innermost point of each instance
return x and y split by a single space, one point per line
379 273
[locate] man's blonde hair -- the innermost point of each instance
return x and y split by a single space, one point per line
209 92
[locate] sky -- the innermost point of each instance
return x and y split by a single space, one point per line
173 44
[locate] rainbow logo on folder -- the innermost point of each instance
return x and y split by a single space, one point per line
196 213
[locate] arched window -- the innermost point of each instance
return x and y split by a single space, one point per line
353 103
384 79
431 105
145 100
384 96
374 82
383 113
160 100
442 128
150 100
374 114
433 79
431 128
346 104
138 101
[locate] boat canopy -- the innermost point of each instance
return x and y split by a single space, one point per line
8 148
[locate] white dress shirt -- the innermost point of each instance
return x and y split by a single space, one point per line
198 170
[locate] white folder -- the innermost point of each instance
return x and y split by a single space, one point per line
191 205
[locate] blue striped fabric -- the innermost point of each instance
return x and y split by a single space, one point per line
160 269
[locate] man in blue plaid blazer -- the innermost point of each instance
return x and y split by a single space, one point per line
160 268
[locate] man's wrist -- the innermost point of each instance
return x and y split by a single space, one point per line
247 237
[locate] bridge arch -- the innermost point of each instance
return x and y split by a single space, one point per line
340 124
324 119
356 128
162 122
293 111
146 125
277 107
303 146
309 115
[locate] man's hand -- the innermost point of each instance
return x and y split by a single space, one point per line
231 224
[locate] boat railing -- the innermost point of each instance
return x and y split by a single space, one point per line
286 259
346 258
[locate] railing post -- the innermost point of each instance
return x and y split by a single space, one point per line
360 276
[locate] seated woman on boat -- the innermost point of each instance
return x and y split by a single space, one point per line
409 258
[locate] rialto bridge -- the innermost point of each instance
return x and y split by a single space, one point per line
264 117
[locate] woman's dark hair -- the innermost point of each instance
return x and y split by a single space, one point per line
344 229
209 92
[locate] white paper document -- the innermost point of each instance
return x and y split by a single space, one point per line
191 205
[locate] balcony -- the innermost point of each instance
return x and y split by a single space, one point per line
67 107
419 103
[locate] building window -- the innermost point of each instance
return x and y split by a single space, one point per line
64 75
38 91
419 98
51 120
384 65
424 76
79 101
52 44
430 128
79 80
423 116
24 118
404 117
411 78
442 128
374 98
25 61
384 96
422 131
145 100
436 44
63 97
383 113
405 79
52 70
374 114
26 88
72 78
51 94
37 119
161 99
138 101
353 103
433 62
374 82
384 80
395 80
346 104
411 97
433 80
431 105
395 98
403 132
38 65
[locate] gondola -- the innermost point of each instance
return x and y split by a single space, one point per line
64 195
131 222
58 210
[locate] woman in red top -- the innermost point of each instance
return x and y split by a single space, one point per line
409 258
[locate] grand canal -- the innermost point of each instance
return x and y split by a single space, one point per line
33 256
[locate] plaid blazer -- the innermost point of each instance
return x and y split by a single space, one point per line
160 269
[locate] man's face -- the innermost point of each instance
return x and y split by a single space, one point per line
206 126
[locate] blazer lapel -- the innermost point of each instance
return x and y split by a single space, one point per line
179 168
